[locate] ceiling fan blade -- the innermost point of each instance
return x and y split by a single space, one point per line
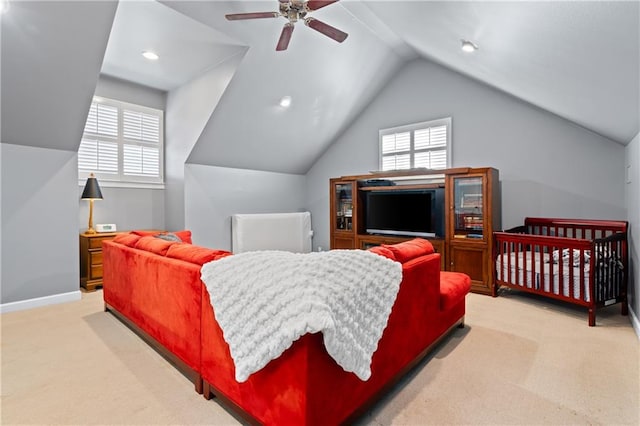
285 37
326 29
253 15
317 4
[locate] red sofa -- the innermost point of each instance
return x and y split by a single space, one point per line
156 289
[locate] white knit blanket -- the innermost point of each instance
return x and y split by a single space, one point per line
266 300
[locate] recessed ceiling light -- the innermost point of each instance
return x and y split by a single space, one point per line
285 102
469 46
152 56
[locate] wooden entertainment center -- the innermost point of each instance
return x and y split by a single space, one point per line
471 209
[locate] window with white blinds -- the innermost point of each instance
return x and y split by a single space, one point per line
426 144
122 142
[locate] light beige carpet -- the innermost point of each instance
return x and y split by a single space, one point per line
519 360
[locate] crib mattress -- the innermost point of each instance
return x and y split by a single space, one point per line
528 269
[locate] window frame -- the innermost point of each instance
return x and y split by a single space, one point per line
412 128
120 179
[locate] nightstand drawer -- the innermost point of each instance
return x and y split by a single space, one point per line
95 258
96 272
96 242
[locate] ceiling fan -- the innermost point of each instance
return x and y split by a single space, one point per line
294 10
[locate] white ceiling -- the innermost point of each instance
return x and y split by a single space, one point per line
577 59
186 47
572 58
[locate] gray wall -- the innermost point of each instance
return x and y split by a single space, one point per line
128 208
189 109
39 222
1 240
548 166
213 194
633 210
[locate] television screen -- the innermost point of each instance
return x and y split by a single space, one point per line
403 212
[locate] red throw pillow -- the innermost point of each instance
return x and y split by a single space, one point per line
195 254
129 239
154 245
383 251
411 249
185 235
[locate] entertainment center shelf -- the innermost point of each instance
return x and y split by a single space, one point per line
456 209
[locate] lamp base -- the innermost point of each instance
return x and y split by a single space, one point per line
90 231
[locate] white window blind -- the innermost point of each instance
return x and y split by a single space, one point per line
426 144
122 142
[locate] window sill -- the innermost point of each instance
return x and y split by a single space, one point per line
132 185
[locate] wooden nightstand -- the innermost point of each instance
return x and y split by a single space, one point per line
91 258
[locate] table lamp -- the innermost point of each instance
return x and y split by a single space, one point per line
91 192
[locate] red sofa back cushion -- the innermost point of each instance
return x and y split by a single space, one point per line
154 245
383 251
129 239
184 235
195 254
411 249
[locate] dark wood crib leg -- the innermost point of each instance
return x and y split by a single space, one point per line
624 309
592 317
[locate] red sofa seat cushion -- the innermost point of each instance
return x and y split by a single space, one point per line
195 254
407 250
154 245
454 286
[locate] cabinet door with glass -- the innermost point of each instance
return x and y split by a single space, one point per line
469 210
343 218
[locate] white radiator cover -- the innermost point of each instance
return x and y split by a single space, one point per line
271 231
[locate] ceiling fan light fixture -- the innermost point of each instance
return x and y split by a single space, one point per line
469 46
285 102
152 56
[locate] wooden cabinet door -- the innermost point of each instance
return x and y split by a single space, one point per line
340 242
473 261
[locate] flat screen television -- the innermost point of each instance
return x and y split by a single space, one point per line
410 212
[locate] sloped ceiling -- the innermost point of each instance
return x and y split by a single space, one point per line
329 83
51 58
187 48
579 60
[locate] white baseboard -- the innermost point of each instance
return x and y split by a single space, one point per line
20 305
634 322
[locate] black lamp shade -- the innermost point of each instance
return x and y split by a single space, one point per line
91 189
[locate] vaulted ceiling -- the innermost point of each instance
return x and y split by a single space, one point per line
577 59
